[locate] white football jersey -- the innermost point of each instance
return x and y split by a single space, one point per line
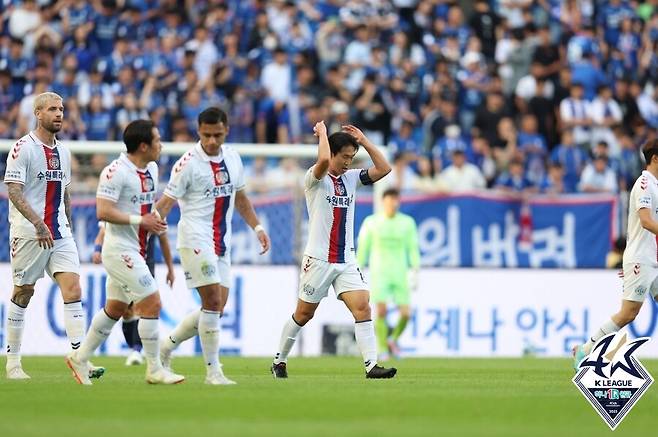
133 190
45 172
330 204
205 188
641 244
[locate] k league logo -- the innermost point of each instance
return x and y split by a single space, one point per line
612 379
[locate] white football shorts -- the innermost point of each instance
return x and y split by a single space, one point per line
29 261
128 276
204 267
638 280
317 275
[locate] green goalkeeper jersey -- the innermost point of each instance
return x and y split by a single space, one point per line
389 246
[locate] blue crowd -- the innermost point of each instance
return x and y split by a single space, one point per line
551 96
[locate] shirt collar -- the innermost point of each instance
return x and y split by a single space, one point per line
204 156
39 142
124 158
651 176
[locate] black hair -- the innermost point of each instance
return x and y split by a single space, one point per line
394 192
338 140
213 115
136 133
649 149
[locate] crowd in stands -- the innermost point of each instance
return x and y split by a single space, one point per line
551 96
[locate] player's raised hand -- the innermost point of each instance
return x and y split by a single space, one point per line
320 129
44 237
264 241
153 223
355 132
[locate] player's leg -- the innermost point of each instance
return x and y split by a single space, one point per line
15 323
304 311
638 279
202 271
314 280
100 328
381 329
129 324
401 296
28 262
358 302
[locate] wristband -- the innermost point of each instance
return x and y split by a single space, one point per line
259 228
98 248
135 219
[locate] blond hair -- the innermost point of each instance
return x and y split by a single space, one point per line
41 100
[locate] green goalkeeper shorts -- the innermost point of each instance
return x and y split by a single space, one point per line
396 292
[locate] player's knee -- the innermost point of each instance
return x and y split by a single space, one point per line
405 313
362 311
22 295
302 316
628 315
150 307
212 303
381 312
72 293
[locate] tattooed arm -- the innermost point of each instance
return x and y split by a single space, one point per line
44 236
67 207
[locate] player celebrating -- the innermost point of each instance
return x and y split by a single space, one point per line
208 183
389 243
130 319
330 189
126 192
38 176
640 260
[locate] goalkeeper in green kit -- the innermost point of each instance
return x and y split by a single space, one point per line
388 243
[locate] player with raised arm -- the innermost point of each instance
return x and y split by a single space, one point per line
640 259
38 176
124 198
130 319
329 258
208 184
388 243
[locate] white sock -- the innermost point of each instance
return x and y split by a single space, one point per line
100 329
74 323
607 328
288 337
149 333
15 323
209 328
186 329
367 342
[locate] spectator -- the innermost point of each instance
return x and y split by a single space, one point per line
575 115
514 180
553 182
534 148
276 77
647 103
597 177
451 141
606 114
460 175
371 112
488 116
571 158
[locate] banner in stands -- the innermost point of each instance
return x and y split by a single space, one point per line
483 230
456 312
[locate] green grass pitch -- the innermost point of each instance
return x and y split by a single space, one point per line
326 396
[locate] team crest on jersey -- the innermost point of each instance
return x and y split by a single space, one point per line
340 189
53 163
221 177
147 184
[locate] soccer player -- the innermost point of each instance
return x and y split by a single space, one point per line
126 192
38 176
640 260
329 259
130 319
208 183
388 242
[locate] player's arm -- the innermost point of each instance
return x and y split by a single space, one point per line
107 211
67 206
168 259
15 193
98 245
324 152
365 242
647 221
381 166
164 205
246 210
